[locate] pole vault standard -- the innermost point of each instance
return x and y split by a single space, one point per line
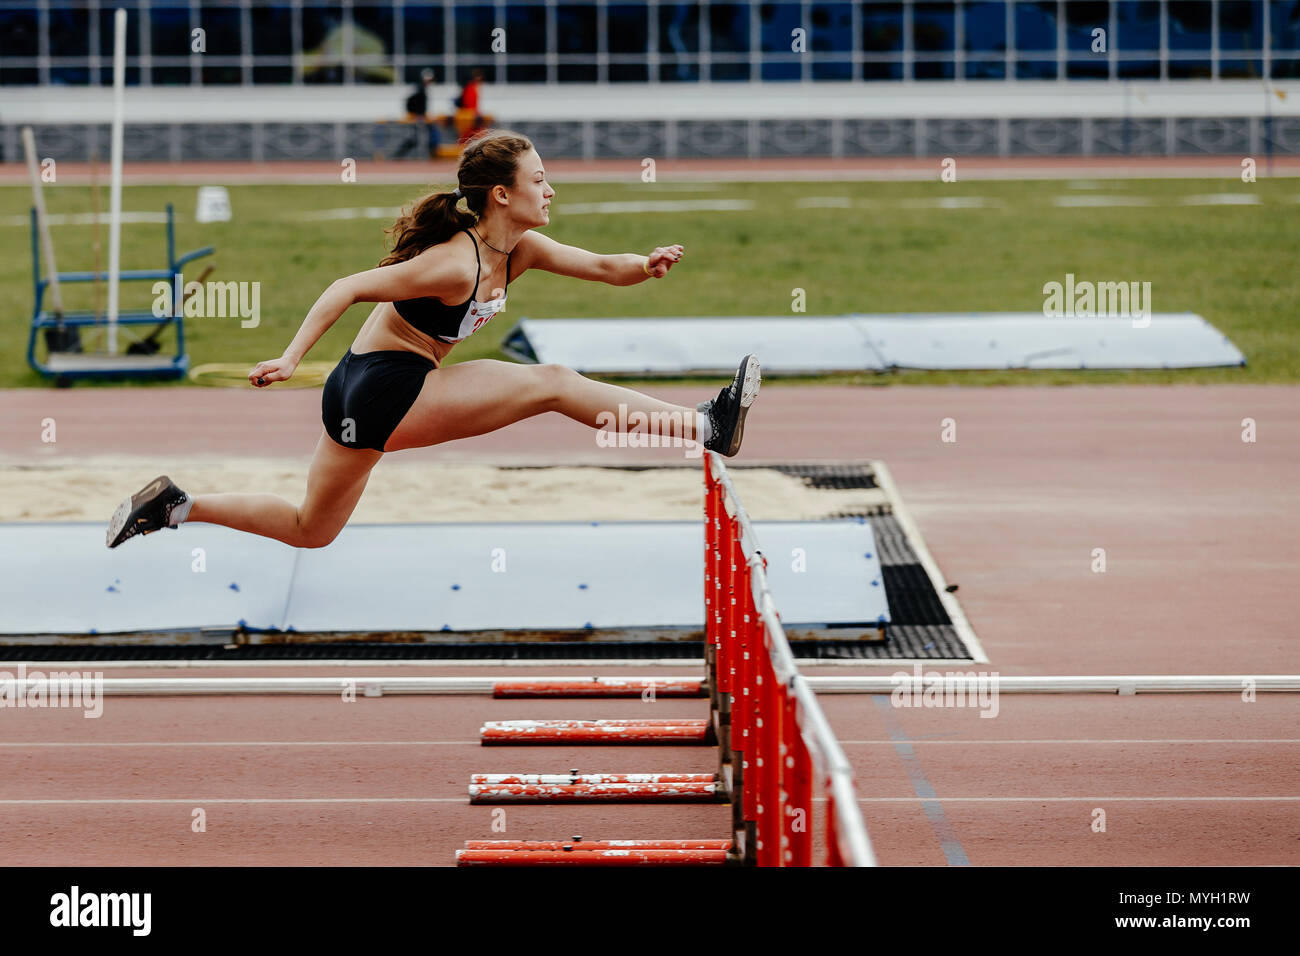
115 177
42 222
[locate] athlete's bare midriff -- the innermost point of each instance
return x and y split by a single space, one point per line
385 330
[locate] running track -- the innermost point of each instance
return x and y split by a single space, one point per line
1199 530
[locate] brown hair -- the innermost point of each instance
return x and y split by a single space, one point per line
489 159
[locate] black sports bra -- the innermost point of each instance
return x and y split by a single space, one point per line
453 323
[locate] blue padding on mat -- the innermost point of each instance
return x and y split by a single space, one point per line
425 577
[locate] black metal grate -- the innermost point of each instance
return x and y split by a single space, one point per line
935 643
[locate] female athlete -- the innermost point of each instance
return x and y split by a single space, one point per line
391 391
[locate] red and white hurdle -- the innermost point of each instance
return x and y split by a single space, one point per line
775 746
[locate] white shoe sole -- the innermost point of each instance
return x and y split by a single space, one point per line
122 515
118 521
752 379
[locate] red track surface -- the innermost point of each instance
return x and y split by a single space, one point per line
1199 531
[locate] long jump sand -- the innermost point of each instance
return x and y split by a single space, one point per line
88 489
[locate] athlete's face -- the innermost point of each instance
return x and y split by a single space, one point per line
531 199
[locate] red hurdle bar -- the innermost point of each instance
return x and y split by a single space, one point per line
705 792
574 777
575 787
534 845
584 857
681 730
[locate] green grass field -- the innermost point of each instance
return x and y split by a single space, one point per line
890 251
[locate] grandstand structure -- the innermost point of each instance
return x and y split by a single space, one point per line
298 79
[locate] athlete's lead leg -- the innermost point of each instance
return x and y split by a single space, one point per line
473 398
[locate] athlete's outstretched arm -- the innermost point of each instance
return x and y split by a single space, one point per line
543 252
428 274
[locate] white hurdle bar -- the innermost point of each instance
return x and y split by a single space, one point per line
12 685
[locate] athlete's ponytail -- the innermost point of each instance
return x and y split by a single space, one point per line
490 159
429 221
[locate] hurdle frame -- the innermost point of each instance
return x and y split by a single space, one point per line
773 737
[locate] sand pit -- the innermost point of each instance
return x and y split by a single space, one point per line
88 489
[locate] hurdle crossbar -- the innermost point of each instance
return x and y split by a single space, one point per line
378 686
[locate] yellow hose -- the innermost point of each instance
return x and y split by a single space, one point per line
232 375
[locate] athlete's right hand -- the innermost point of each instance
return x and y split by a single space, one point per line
276 370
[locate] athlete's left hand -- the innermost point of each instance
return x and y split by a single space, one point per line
663 259
274 370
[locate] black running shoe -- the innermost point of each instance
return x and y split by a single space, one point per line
146 511
727 411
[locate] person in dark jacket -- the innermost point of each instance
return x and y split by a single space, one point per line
417 113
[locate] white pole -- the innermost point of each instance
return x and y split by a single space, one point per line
42 222
115 191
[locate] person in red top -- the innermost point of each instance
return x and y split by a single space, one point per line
468 100
469 93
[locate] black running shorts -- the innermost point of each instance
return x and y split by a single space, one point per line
367 396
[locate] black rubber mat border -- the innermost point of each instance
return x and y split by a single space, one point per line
905 643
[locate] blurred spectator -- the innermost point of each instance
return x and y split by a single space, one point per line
468 101
417 113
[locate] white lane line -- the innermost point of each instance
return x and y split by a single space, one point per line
655 205
1094 201
355 212
946 202
572 209
685 662
247 743
1111 799
660 186
200 801
1221 199
474 743
693 663
1126 740
824 202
